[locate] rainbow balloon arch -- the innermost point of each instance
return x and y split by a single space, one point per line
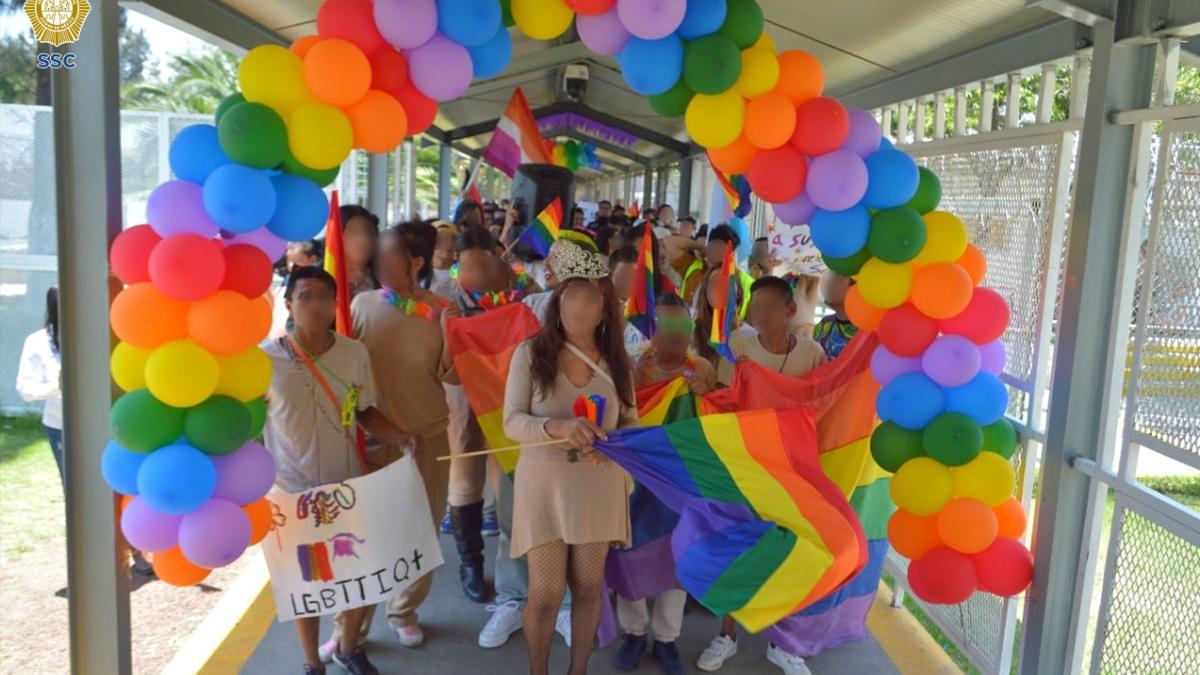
193 309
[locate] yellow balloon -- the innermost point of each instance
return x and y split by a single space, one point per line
181 373
945 238
274 76
760 72
922 486
715 121
885 285
245 375
319 135
765 41
987 478
128 366
542 19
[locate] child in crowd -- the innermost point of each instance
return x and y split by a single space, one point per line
835 331
443 252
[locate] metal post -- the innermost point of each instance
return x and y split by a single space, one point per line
87 159
647 186
960 111
939 115
410 180
377 180
987 99
886 122
1080 74
1080 423
1168 71
397 198
660 184
1013 104
445 162
1045 104
919 126
685 187
902 123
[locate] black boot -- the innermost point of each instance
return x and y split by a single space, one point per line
468 521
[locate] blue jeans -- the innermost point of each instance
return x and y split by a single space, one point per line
55 437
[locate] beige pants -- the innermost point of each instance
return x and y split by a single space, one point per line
402 607
467 476
666 620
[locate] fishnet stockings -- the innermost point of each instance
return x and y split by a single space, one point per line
551 567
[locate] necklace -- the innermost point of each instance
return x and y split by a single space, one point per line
493 299
410 306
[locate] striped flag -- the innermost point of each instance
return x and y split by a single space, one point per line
726 306
335 264
639 309
543 231
516 140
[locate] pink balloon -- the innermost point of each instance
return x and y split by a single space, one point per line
837 180
177 206
602 33
215 534
886 366
406 24
263 240
865 134
796 212
244 475
147 529
992 357
651 19
441 68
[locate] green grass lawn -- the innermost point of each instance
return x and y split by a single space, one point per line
31 497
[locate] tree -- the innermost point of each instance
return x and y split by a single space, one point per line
197 84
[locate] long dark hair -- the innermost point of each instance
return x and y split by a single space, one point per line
419 239
52 316
704 317
548 343
348 211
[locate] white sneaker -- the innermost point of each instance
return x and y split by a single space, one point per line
506 620
562 625
716 653
789 663
411 635
328 648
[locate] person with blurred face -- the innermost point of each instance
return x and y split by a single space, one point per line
622 265
444 255
834 331
360 235
604 209
775 345
577 219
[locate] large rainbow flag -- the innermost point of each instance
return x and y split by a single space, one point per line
543 231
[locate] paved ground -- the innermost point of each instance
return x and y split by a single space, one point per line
452 625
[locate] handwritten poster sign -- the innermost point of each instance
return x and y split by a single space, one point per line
350 544
792 246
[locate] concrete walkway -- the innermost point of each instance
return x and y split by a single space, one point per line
452 624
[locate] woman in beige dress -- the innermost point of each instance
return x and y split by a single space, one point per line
571 505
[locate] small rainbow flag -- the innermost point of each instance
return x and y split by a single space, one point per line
737 192
335 264
727 305
639 309
543 231
590 407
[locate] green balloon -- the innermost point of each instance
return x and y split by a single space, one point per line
897 235
143 423
892 445
227 103
1000 437
506 13
218 426
254 135
258 416
953 439
711 64
743 22
850 265
929 193
674 101
321 177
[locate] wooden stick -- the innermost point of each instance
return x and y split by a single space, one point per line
492 451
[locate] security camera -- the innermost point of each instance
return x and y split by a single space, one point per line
575 81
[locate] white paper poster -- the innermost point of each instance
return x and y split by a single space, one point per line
792 246
350 544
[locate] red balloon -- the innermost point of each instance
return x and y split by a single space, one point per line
943 577
778 175
187 266
1004 568
905 331
420 109
590 7
389 70
984 319
352 20
822 125
247 270
130 253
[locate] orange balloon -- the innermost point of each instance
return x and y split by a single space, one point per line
146 318
173 568
974 262
337 72
378 120
733 158
800 76
911 535
1010 519
967 525
227 322
260 519
770 120
941 290
861 313
301 46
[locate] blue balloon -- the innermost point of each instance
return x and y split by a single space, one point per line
703 17
176 479
983 399
239 198
885 144
195 153
491 58
911 400
840 234
300 210
892 178
119 466
651 66
470 23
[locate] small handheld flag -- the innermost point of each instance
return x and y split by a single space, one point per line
726 306
335 264
639 309
590 407
543 231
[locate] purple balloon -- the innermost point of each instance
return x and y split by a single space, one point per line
263 240
865 134
215 534
651 19
886 366
177 206
244 475
147 529
992 357
951 361
441 68
602 33
406 24
836 180
796 212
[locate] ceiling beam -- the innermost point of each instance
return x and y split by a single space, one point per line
1087 12
660 139
211 21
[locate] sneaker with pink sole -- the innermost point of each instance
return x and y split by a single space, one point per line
411 636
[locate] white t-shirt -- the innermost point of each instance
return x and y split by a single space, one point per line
439 277
39 379
804 355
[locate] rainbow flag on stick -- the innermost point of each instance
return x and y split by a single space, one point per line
639 309
335 264
726 305
543 231
516 140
